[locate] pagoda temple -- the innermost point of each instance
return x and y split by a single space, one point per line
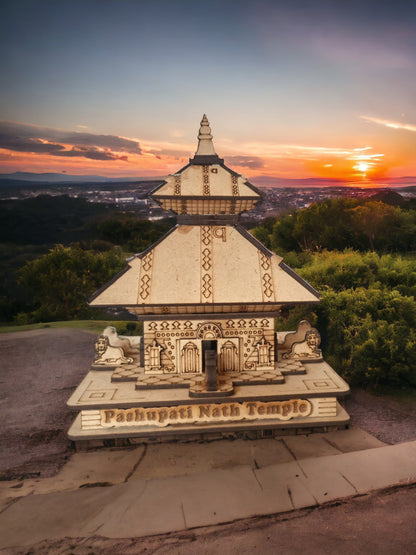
209 360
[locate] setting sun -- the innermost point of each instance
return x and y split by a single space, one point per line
362 167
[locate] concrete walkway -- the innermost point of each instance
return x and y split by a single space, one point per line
176 490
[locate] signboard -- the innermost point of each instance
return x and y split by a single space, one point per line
204 413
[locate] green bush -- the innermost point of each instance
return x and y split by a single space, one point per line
370 335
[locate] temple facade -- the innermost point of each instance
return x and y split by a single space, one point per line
208 293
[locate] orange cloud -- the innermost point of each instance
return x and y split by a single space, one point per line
391 124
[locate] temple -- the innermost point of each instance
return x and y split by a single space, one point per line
209 360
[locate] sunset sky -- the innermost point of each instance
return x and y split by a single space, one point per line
292 89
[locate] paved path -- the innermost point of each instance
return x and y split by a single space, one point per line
144 506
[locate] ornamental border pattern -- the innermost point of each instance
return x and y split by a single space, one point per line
206 264
145 277
266 277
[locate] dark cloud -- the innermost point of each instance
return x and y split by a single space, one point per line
106 141
42 140
253 162
23 144
91 153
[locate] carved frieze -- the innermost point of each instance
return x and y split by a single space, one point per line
209 330
243 344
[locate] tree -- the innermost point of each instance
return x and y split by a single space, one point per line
62 280
337 224
372 219
131 233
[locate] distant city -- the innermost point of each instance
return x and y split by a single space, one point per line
133 196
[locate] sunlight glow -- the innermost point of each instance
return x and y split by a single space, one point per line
362 167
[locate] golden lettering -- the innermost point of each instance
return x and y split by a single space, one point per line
203 411
109 415
163 414
223 412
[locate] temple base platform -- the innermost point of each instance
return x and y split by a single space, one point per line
117 412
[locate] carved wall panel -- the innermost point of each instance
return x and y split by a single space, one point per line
228 356
246 334
190 356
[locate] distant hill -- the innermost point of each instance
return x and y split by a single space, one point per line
389 197
267 181
67 178
49 220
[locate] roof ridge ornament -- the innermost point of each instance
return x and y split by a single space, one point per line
205 144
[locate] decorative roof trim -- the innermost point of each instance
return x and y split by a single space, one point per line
112 280
202 197
274 306
300 280
127 267
207 219
255 241
200 160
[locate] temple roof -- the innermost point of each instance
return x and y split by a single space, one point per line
206 185
205 269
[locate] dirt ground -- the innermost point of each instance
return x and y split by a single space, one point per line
40 369
381 522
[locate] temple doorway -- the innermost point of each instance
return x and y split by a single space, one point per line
208 345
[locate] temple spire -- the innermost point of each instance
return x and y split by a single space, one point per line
205 144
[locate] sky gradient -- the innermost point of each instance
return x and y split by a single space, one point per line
292 89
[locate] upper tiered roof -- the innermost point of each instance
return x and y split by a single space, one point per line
208 263
206 186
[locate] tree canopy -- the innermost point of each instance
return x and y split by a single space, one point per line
62 280
342 223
